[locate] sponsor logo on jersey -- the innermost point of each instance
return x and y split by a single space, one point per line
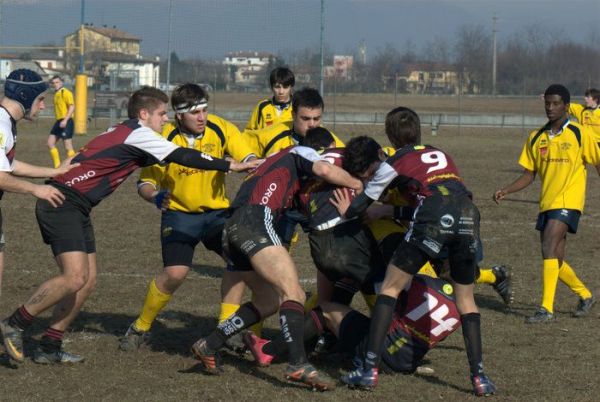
432 245
267 195
2 140
543 151
82 177
447 289
166 231
208 148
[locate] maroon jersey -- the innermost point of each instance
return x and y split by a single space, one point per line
107 160
314 196
429 314
277 180
418 172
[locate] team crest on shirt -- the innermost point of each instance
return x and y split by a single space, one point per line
208 148
565 146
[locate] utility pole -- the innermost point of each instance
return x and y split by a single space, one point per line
168 89
494 58
321 83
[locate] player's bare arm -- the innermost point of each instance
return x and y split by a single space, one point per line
24 169
245 166
148 192
522 181
10 183
336 175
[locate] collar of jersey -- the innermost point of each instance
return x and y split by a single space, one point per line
281 105
551 134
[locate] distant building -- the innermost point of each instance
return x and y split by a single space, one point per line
11 61
433 78
112 59
248 70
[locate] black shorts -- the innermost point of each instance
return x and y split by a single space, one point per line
66 228
63 133
347 250
248 230
569 216
443 226
401 353
181 232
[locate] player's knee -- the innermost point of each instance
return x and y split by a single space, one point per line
76 282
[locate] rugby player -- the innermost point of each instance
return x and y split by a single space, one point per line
278 108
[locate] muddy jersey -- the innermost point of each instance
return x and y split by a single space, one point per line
428 313
417 172
8 140
107 160
314 196
277 180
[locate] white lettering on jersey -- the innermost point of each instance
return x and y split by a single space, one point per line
437 314
267 196
80 178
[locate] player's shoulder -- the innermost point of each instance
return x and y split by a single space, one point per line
215 120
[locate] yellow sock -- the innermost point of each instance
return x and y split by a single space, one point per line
428 270
569 278
486 275
293 242
154 303
311 302
370 300
227 310
70 153
550 274
55 157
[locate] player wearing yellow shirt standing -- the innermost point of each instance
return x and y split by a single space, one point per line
277 109
588 115
558 152
64 106
193 202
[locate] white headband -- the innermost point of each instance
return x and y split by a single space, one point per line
187 107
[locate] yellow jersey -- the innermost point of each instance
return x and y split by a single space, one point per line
268 113
560 161
271 140
194 190
587 117
63 98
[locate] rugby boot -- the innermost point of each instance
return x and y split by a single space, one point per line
541 315
482 385
305 373
255 345
503 284
361 378
57 356
210 359
13 340
584 306
133 339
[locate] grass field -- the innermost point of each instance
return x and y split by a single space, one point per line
551 362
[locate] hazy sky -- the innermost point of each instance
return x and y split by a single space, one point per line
209 28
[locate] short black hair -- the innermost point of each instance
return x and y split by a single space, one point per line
560 90
283 76
593 93
56 77
359 154
318 138
403 127
145 98
307 97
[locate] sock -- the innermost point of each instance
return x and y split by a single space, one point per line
20 318
314 324
245 316
471 328
370 300
380 324
311 302
569 278
427 269
291 319
52 340
154 303
486 276
227 309
550 274
55 157
70 153
343 293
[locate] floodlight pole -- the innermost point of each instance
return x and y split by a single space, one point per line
168 89
494 54
321 83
